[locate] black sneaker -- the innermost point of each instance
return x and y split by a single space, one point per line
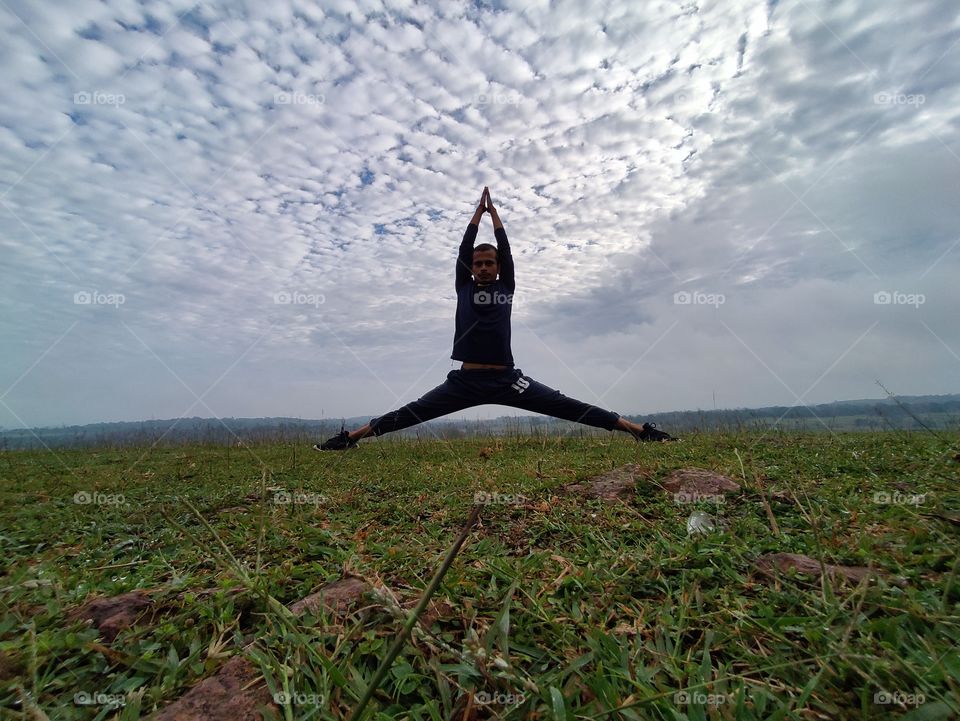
339 442
649 432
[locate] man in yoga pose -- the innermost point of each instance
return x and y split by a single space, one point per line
482 343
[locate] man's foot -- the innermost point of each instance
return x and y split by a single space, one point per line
339 442
649 432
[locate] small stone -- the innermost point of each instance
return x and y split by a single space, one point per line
336 597
226 696
112 615
809 566
610 486
699 482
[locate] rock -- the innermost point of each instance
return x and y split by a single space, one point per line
337 597
112 615
10 667
225 696
697 483
435 611
810 566
610 486
236 691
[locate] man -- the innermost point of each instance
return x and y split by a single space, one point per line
482 343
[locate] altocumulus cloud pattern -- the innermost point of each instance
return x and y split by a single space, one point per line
247 209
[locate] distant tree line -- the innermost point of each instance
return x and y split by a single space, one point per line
940 412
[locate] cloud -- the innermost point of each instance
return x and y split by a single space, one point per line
208 162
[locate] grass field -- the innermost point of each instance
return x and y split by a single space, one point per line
556 607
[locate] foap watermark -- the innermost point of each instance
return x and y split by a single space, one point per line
488 498
899 698
95 297
96 498
888 98
686 297
886 297
684 698
298 98
96 97
298 298
499 99
485 698
495 297
682 497
285 498
296 699
110 700
899 499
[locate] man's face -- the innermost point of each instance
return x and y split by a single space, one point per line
485 266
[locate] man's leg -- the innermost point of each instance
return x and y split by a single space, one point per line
449 397
530 395
527 394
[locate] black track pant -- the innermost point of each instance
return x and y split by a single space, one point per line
506 387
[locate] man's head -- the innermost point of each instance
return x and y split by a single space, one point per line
485 266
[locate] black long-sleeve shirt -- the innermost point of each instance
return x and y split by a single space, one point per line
483 310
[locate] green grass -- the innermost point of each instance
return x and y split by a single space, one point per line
575 609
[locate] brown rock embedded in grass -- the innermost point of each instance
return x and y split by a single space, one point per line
783 562
435 611
112 615
699 482
232 694
236 691
336 597
610 486
10 666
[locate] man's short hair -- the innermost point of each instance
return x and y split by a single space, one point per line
486 246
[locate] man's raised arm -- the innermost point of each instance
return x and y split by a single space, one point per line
465 255
504 258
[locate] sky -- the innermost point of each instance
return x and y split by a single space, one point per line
253 209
